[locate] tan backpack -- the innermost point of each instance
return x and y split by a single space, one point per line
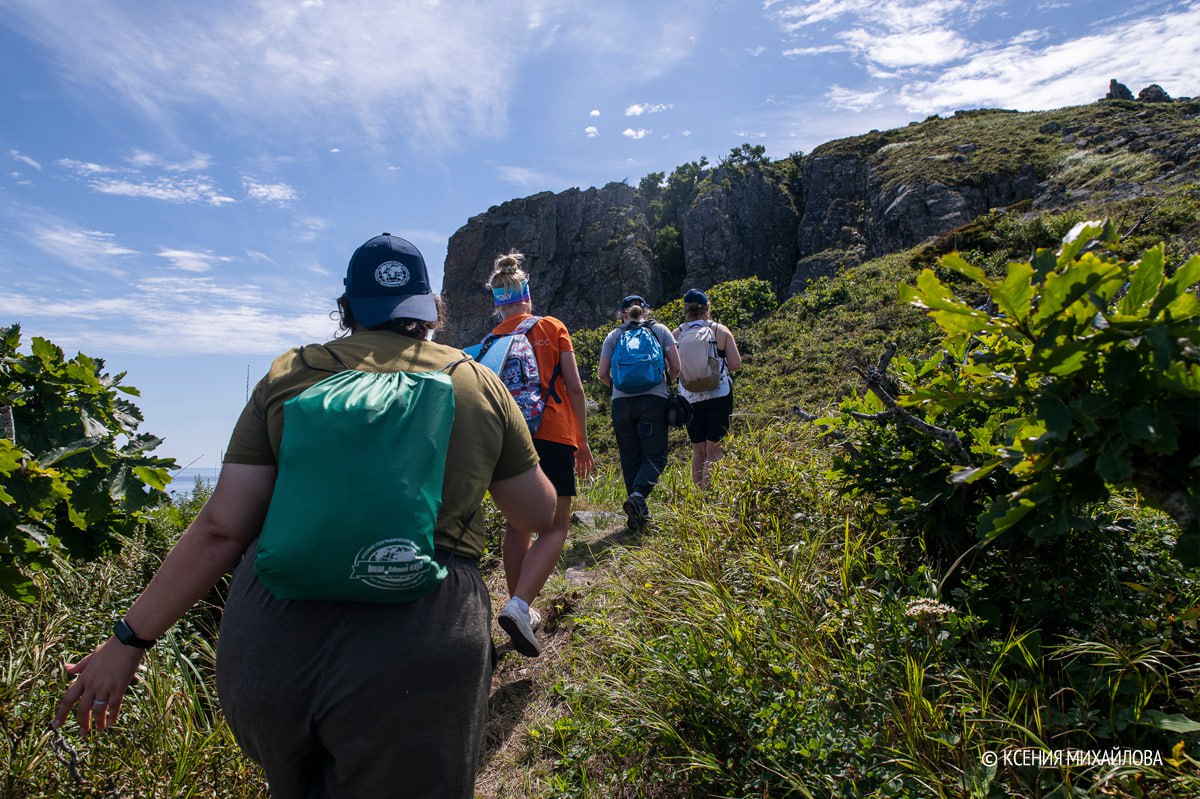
699 365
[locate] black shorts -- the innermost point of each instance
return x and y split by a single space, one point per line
558 462
710 419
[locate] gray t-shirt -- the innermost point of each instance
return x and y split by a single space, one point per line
663 333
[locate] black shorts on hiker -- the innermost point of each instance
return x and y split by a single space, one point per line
558 462
710 419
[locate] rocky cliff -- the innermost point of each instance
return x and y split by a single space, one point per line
792 220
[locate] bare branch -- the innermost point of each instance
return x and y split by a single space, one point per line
876 384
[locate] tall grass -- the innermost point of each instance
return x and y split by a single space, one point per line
170 741
766 639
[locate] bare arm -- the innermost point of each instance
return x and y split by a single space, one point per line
211 546
574 384
672 357
527 500
733 358
604 370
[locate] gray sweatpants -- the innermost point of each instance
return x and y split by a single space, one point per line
344 700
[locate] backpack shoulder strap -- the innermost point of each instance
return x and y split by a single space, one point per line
448 368
332 354
525 326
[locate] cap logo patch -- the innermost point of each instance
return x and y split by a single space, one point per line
391 274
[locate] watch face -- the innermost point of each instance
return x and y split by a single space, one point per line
125 635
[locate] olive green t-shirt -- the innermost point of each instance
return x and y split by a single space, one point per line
489 440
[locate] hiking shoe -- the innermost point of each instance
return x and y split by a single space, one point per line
518 625
636 513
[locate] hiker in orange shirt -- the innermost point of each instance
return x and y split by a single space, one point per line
560 439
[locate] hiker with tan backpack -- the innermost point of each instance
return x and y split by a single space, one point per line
707 356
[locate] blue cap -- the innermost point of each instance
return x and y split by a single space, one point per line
387 279
634 299
696 296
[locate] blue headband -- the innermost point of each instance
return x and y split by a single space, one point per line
509 294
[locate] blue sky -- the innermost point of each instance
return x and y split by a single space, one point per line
183 183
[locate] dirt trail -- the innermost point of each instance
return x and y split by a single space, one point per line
520 685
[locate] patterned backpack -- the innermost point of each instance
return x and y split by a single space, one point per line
510 355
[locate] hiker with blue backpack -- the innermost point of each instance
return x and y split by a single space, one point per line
355 653
638 359
535 358
708 354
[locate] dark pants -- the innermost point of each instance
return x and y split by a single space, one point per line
349 700
640 424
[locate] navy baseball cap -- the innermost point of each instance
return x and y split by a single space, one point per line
696 295
387 279
634 299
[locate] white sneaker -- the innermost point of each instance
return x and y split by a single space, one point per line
518 624
535 619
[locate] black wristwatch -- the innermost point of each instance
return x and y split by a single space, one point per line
127 636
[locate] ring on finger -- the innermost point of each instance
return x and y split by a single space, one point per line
99 701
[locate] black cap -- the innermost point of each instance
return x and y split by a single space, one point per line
634 299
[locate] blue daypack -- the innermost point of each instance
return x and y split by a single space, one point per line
637 360
510 355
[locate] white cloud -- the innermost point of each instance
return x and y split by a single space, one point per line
279 193
419 71
595 112
523 176
637 109
756 51
852 100
592 131
198 191
193 260
24 159
1014 75
906 49
309 228
687 133
640 133
79 248
818 50
84 167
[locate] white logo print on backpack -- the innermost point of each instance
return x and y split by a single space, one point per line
699 366
510 356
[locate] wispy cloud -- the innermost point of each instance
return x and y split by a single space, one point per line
82 249
198 261
184 190
523 176
278 193
422 70
852 100
637 109
640 133
24 159
84 167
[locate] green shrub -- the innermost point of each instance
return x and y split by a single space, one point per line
75 475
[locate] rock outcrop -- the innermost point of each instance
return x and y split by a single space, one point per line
791 221
1118 91
584 251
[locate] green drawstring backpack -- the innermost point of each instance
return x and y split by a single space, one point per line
358 488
